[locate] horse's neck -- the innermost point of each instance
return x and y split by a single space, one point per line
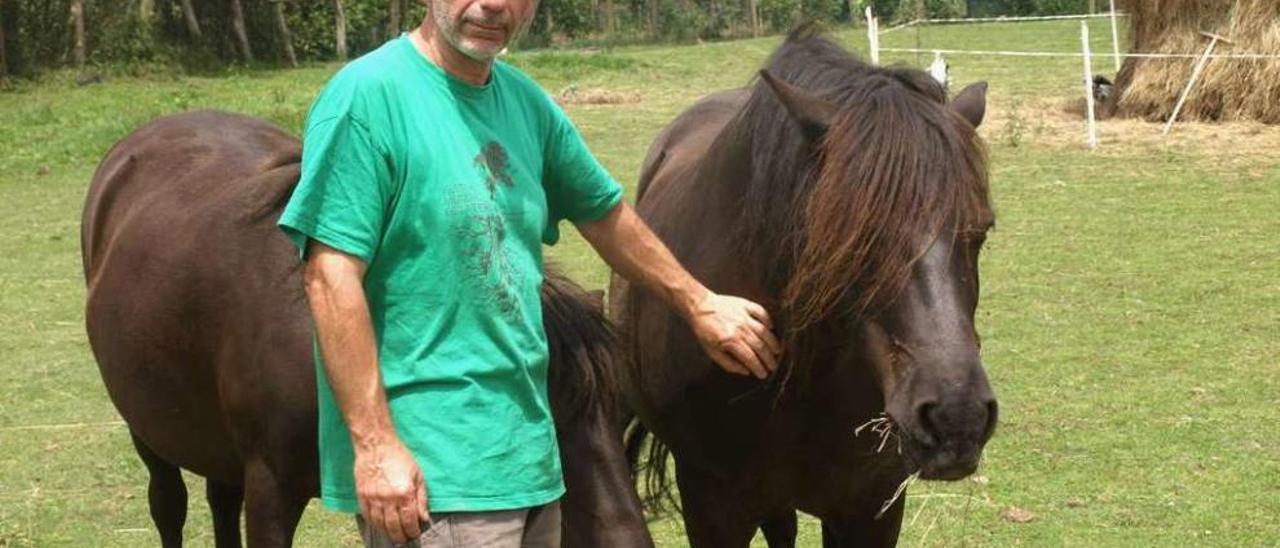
725 170
834 374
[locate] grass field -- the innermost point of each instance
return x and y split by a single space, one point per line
1130 313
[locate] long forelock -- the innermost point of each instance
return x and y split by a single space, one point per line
897 166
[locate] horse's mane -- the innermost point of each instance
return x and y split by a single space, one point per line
848 210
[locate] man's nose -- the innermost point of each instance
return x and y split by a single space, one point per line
493 6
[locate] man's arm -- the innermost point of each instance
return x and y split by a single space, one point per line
734 332
389 484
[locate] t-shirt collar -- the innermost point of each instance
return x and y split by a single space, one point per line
456 84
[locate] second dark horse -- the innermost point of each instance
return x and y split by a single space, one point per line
850 200
198 321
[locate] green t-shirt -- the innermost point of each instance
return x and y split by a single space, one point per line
447 191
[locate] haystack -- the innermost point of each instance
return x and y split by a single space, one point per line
1229 89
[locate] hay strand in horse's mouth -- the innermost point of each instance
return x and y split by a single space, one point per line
882 426
902 488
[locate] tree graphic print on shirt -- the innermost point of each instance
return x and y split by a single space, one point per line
493 159
482 234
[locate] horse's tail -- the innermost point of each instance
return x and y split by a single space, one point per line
584 350
651 470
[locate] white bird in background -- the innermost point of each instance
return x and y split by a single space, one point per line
939 70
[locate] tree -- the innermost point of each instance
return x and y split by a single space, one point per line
189 15
754 11
654 6
77 25
15 57
282 29
340 30
4 61
237 27
395 18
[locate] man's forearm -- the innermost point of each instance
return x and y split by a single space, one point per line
625 242
734 332
345 332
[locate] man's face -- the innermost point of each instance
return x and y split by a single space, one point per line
480 29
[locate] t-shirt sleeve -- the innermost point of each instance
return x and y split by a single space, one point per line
578 188
345 191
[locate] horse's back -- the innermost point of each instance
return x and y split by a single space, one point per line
669 166
193 294
686 138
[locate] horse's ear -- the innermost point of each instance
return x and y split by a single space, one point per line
971 103
813 113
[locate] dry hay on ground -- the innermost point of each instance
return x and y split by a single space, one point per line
573 95
1229 89
1052 123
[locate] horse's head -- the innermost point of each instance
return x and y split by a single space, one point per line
892 229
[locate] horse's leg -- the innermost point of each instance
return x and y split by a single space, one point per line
710 519
864 529
273 504
780 530
166 495
225 500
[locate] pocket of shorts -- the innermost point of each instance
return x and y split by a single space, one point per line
434 535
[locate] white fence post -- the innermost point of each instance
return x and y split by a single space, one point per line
873 37
1088 85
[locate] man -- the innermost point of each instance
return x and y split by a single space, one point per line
431 175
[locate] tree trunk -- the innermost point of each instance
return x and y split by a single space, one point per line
237 28
754 9
282 29
340 29
653 18
4 59
1093 6
15 63
608 17
394 16
189 15
77 26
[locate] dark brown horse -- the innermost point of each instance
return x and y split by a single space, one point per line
851 201
198 320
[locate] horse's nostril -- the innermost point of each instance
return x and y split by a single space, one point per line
928 422
993 411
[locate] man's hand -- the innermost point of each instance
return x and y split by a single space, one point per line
736 334
391 491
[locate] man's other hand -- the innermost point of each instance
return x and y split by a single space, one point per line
391 490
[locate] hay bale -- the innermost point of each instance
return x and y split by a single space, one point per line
1229 89
573 95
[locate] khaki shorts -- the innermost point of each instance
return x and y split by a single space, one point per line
537 527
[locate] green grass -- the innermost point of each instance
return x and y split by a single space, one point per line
1131 302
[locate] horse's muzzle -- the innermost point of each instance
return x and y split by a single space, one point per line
945 440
